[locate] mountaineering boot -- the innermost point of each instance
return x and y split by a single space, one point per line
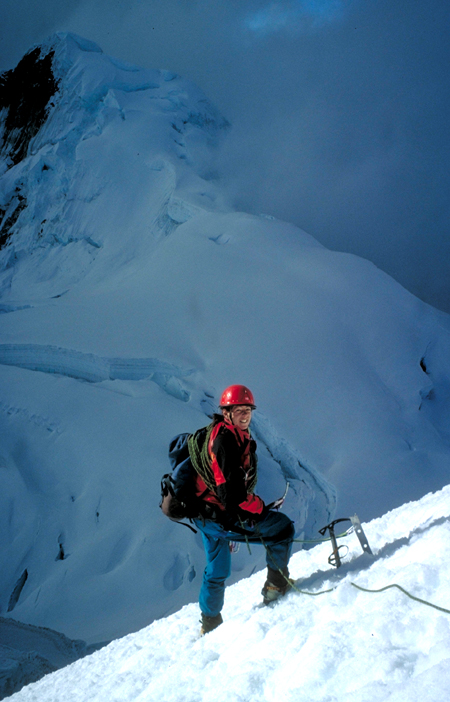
276 585
210 623
271 592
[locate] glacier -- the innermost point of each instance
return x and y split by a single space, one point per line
131 294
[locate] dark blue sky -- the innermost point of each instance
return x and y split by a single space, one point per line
340 109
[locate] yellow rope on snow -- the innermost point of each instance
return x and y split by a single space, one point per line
405 592
359 587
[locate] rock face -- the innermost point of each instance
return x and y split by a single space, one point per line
25 100
25 95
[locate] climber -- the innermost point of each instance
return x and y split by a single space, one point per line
224 457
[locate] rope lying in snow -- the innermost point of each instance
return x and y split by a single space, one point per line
365 589
405 592
305 592
358 587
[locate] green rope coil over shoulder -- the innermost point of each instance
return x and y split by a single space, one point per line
198 451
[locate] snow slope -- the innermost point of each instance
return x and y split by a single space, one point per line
344 644
28 652
131 296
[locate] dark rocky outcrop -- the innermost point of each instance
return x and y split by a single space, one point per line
25 93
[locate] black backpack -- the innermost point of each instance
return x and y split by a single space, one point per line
178 498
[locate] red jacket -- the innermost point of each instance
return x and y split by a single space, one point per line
233 462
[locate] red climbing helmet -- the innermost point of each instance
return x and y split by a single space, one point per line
237 395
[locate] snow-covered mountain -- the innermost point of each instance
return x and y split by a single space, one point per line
345 644
132 294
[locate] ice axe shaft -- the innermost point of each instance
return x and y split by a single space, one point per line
276 504
334 559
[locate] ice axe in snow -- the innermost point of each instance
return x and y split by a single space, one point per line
335 557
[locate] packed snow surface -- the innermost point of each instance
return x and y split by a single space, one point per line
344 644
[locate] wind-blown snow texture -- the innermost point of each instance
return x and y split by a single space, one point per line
131 296
344 645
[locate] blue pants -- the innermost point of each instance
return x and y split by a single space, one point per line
277 532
